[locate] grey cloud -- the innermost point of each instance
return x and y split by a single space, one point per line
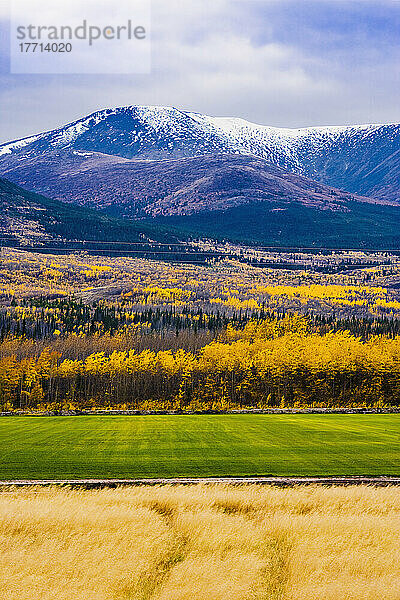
233 58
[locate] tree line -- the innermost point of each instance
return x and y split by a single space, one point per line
265 363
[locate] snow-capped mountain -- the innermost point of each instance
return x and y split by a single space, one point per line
145 132
213 176
362 159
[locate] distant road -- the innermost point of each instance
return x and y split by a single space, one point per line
274 481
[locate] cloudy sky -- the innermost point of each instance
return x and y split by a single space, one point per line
277 62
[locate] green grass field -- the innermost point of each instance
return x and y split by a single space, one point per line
198 445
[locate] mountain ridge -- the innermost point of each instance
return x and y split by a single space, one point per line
96 116
215 176
361 159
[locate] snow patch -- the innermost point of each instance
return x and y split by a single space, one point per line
11 146
281 146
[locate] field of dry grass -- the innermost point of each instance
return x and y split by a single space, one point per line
200 543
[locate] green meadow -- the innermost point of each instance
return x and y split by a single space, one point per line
199 445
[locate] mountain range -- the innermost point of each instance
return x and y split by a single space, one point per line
223 177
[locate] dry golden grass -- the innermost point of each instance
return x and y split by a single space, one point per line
200 543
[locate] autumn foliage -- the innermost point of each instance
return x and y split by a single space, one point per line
272 362
80 332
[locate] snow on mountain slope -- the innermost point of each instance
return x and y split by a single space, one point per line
328 154
281 145
362 159
148 132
